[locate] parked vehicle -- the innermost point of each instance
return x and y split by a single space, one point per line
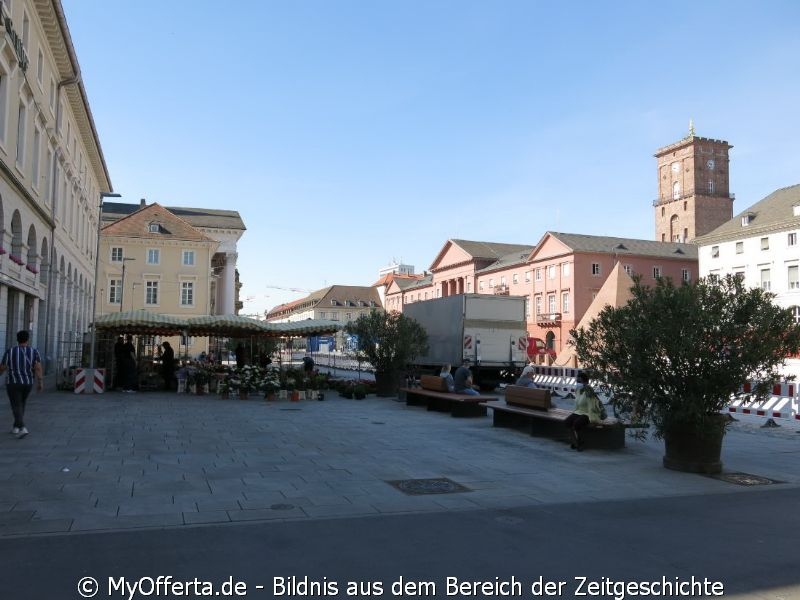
489 330
538 351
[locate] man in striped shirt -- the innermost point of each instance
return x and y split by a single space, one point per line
21 364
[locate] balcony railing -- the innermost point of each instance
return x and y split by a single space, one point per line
546 319
691 193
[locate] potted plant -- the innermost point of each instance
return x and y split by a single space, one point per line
224 388
388 341
359 391
270 383
676 355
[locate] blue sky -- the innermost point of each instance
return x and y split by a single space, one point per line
351 133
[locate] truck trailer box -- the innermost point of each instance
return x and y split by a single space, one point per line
489 330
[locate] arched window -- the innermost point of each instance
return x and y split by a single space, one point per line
676 191
30 259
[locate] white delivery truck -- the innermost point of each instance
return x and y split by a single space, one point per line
489 330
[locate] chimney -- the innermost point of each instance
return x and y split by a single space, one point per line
142 203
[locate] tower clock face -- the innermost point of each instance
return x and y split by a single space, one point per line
710 164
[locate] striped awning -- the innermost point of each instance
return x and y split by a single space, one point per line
225 325
303 328
138 322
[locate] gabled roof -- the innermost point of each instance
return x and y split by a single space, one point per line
425 281
137 225
480 250
519 257
772 213
581 243
197 217
387 279
357 296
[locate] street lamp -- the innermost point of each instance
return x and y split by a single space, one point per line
122 291
96 277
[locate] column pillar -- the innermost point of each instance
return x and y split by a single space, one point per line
227 288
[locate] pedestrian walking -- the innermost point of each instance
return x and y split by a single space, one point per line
21 364
168 366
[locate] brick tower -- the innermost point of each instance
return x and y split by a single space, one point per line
693 188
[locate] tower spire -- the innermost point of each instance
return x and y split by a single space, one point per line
691 128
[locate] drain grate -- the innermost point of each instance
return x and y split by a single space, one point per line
418 487
282 506
744 479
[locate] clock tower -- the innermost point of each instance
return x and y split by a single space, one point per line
693 188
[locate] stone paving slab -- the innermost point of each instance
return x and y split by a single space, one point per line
120 461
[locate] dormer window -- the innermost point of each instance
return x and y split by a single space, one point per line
747 219
155 228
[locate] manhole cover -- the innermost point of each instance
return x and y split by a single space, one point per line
417 487
282 506
744 479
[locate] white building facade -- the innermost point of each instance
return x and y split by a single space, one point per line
762 245
52 172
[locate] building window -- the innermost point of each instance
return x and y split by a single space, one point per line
538 274
765 280
739 247
714 251
685 234
710 187
502 281
187 293
515 279
565 270
685 275
155 228
596 269
151 293
480 286
188 258
538 304
115 291
23 112
527 276
551 303
796 313
551 272
334 316
527 306
676 191
37 142
794 282
656 272
469 287
348 317
116 254
685 206
438 293
564 302
322 313
153 256
628 269
791 239
765 243
52 95
491 282
39 66
740 275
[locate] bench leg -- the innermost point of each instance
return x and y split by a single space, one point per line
604 438
413 399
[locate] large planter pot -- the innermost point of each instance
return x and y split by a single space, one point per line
387 383
693 451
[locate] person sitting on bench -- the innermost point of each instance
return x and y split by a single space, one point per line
526 379
448 377
587 410
462 380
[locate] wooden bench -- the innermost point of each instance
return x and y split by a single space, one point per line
530 409
433 394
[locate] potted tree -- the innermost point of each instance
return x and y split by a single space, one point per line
676 355
388 341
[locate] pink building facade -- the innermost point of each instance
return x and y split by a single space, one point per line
559 277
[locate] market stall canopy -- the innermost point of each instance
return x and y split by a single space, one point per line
225 326
303 328
141 322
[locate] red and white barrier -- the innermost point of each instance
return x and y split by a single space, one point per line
781 404
90 381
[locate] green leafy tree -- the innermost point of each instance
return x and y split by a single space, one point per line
389 341
675 355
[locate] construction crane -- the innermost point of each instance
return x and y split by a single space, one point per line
288 289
